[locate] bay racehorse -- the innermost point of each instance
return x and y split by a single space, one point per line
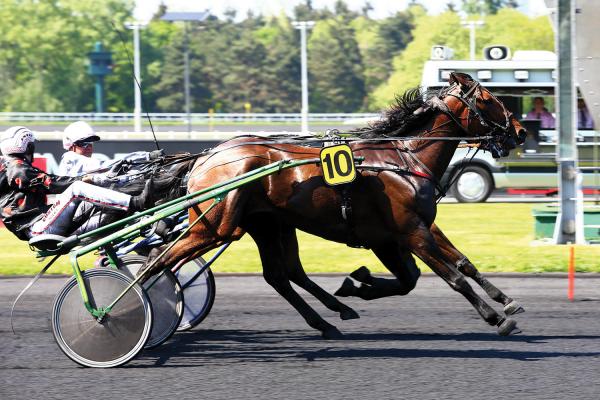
393 201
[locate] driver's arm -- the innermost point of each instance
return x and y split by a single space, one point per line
28 178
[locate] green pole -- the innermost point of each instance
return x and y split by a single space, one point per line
100 93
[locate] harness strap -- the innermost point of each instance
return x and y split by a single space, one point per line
425 173
352 239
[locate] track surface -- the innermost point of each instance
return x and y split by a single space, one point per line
427 345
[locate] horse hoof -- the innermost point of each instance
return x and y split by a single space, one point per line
508 327
347 288
332 333
513 308
363 275
348 314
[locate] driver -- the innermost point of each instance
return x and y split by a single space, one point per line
78 141
23 190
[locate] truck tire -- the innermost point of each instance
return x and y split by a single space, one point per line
474 185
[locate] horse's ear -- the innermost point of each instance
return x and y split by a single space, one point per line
464 80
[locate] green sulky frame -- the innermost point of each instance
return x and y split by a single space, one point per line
216 192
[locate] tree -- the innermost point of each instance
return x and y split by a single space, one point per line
486 6
245 81
282 67
45 54
305 11
445 29
170 87
366 9
210 58
335 66
396 30
534 33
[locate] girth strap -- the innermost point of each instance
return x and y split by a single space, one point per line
352 239
425 173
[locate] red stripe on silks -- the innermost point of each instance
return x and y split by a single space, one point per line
102 203
419 173
56 214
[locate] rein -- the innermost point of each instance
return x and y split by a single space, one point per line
469 99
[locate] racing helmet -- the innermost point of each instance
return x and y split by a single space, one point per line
16 140
79 131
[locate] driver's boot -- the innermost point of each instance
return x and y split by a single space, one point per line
143 200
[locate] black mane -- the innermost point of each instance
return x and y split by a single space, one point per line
400 119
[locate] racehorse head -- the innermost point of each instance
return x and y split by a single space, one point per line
486 116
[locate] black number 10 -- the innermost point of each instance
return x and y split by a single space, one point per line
336 164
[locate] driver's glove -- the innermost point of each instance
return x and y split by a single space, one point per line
156 154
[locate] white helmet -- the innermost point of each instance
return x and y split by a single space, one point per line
15 140
79 131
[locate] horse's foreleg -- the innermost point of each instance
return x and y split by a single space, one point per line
398 262
298 276
267 236
423 245
465 266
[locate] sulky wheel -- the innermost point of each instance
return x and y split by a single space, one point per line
199 293
166 297
121 334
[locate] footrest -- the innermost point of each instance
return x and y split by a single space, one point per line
47 242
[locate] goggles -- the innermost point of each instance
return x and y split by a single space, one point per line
84 145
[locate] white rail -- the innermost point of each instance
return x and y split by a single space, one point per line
181 117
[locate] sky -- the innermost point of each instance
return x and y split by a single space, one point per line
382 8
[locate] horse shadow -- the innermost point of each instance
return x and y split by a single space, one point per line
201 348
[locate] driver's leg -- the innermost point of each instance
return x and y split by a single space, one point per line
87 218
59 218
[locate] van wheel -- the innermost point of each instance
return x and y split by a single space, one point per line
474 185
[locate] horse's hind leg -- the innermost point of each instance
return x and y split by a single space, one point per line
266 233
423 245
298 276
398 262
219 225
465 266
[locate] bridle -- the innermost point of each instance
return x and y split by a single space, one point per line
494 139
498 134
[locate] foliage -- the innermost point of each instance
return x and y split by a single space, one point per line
336 78
487 6
356 63
408 66
43 55
379 43
445 29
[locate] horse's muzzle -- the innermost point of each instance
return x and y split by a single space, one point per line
521 135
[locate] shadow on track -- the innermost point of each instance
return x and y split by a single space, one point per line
201 348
